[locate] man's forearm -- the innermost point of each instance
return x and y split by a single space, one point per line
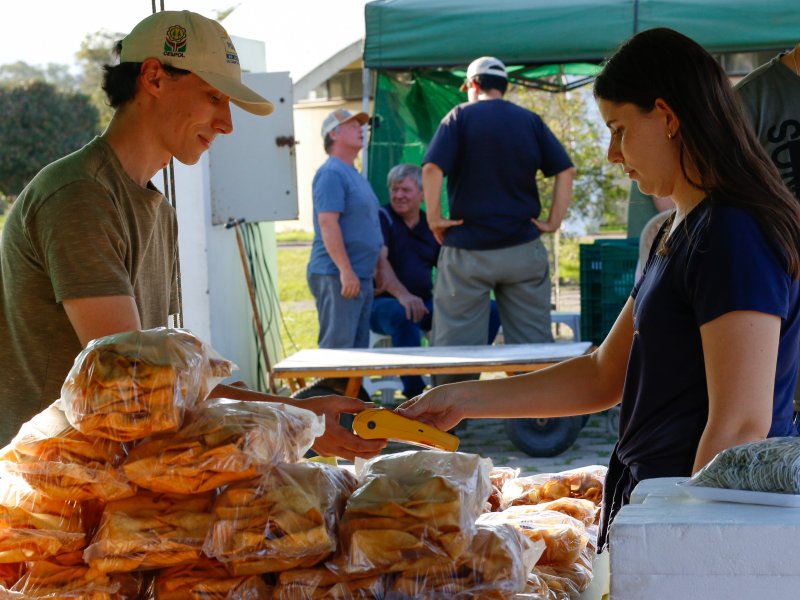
333 240
562 195
432 178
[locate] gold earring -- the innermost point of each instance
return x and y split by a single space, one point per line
669 134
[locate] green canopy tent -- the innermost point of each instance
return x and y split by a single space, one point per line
420 49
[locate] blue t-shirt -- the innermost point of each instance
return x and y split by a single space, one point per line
413 252
338 187
718 261
490 151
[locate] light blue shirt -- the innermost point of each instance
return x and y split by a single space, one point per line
338 187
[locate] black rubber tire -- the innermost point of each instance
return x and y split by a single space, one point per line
544 437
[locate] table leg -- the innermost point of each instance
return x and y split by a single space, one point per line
353 386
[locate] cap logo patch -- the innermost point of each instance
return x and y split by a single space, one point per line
230 53
175 42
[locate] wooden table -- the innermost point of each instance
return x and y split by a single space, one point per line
354 364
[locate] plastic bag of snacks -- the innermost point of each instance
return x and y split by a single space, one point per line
10 573
36 527
149 531
130 385
58 460
497 561
584 482
498 476
221 442
282 520
57 582
584 511
207 579
320 582
564 537
771 465
412 510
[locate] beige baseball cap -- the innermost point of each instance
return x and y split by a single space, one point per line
485 65
186 40
337 117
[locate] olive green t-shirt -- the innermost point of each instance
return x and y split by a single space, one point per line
82 228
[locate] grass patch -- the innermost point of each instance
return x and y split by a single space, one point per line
300 325
294 236
292 263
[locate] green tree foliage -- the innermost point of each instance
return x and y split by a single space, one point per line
39 125
599 193
96 51
21 73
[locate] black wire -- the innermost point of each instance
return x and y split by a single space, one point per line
273 289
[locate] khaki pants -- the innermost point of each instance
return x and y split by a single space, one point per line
520 278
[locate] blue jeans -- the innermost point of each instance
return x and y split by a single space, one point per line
343 322
388 317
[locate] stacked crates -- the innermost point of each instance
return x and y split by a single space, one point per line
607 268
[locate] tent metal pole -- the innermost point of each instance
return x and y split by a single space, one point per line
365 108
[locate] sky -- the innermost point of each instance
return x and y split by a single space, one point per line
298 34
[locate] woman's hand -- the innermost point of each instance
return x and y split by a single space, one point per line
441 407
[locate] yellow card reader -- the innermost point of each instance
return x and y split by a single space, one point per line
383 424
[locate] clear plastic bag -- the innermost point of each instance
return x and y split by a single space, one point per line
35 527
498 477
283 520
584 482
320 582
497 562
51 581
412 510
150 531
207 579
130 385
10 573
58 460
564 537
221 442
584 511
771 465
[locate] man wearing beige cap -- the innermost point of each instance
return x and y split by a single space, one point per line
90 245
491 150
347 236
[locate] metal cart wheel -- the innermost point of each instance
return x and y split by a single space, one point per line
544 437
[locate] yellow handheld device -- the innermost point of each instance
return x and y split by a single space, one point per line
382 424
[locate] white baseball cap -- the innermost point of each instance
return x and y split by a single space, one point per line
337 117
186 40
485 65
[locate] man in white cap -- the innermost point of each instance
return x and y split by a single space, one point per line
347 236
90 246
490 150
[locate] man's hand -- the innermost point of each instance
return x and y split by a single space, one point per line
440 225
545 226
338 441
415 307
351 285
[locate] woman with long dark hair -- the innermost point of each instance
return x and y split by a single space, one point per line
704 354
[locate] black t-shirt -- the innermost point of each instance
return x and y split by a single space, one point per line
719 261
490 151
412 252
